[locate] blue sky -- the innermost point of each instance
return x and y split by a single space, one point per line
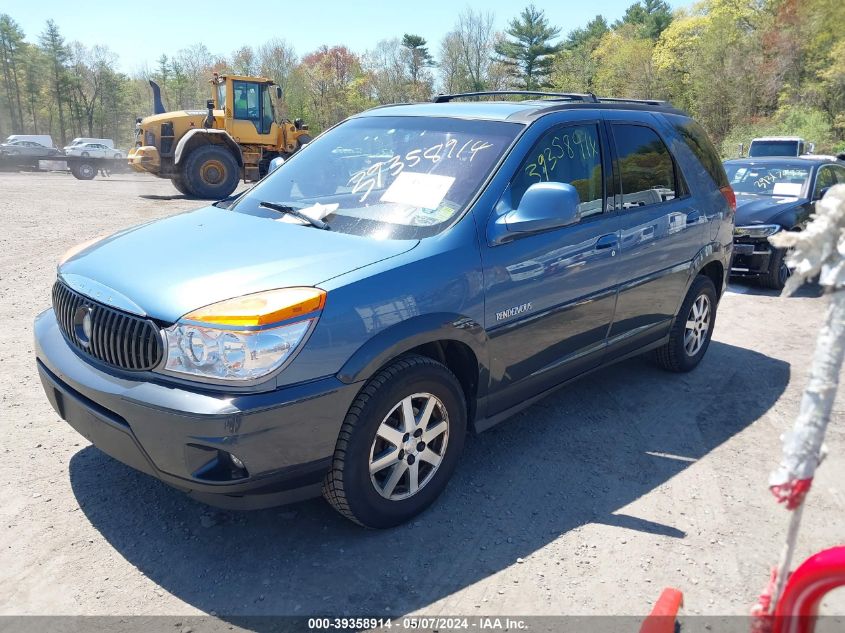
140 31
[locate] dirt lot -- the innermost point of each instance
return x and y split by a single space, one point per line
587 503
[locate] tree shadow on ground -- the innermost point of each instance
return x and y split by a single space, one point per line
576 457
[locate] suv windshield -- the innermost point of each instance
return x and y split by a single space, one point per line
767 180
386 177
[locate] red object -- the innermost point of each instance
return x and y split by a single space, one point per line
792 493
730 196
663 615
797 608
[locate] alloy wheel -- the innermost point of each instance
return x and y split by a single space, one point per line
698 325
409 446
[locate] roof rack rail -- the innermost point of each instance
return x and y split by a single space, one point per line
570 96
656 102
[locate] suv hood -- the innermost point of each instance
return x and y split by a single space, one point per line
165 269
751 209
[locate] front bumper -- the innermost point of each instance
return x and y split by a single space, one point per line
144 159
285 438
751 257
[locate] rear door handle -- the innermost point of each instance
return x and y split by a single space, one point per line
607 241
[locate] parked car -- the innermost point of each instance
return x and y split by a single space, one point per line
779 146
775 194
343 324
42 139
81 140
93 150
27 149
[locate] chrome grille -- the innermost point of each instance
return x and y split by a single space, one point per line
114 337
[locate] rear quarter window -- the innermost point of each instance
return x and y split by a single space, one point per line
696 139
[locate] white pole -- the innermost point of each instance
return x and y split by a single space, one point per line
820 249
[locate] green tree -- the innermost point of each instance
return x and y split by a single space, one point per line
418 56
624 66
56 51
650 16
12 46
529 52
575 66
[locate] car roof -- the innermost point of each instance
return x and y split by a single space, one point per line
792 161
524 111
778 138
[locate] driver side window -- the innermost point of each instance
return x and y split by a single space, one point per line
824 179
569 154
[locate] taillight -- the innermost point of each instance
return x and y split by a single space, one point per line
730 196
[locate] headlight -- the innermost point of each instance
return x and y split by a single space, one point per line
245 338
757 230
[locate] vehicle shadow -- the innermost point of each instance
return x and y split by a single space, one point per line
576 457
809 290
175 196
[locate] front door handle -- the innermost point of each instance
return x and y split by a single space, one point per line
607 241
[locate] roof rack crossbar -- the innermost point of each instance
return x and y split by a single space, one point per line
624 100
571 96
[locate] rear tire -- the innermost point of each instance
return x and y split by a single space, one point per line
211 172
385 470
692 328
778 270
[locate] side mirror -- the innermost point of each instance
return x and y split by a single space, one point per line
279 93
209 118
544 206
821 194
275 164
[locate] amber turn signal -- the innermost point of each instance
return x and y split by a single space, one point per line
262 308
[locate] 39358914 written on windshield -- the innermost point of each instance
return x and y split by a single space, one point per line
387 177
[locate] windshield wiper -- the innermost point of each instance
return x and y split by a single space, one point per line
286 208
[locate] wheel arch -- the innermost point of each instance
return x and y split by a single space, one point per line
197 137
713 261
458 342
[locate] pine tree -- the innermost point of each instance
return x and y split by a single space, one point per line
418 58
529 51
57 53
11 47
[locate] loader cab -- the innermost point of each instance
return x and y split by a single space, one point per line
248 108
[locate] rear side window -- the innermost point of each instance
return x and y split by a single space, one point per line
645 165
696 139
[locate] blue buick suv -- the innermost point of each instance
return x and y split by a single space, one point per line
416 273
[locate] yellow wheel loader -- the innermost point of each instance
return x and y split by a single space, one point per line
206 153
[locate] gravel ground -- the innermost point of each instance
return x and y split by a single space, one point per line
587 503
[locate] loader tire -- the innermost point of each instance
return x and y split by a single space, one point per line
211 172
181 187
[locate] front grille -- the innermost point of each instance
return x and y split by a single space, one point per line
114 337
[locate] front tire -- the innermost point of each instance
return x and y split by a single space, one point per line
181 187
692 328
211 172
778 271
399 443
